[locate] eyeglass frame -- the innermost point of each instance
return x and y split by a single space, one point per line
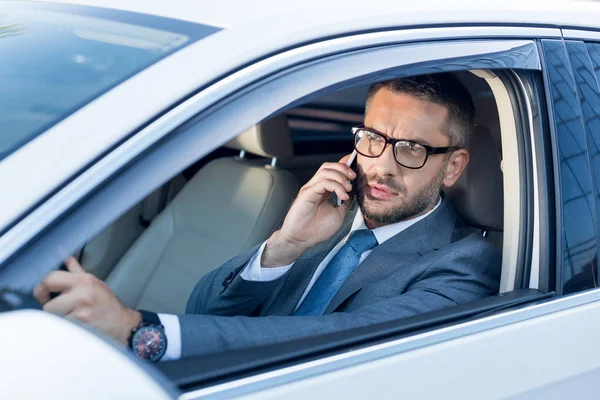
429 150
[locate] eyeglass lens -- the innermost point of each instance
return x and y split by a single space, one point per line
371 144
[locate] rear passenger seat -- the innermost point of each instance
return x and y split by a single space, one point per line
228 207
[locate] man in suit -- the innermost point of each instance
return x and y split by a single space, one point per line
398 250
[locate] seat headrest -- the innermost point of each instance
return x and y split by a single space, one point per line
270 138
478 195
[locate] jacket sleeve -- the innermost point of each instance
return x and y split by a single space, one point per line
445 283
224 292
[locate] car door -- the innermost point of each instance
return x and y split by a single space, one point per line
507 57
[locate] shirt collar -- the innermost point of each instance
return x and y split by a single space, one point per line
385 232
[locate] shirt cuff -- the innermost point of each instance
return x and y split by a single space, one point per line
173 333
254 272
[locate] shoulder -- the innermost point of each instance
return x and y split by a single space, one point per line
472 260
466 238
473 244
471 254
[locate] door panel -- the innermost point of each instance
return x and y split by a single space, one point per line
539 352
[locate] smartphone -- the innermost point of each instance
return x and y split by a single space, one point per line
334 199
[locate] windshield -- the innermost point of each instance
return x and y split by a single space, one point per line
57 58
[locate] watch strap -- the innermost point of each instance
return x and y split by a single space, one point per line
150 318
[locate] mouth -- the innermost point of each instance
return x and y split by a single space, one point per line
382 192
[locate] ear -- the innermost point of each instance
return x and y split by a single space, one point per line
456 165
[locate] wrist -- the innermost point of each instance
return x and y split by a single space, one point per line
280 251
132 320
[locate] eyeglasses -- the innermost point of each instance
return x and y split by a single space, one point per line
407 153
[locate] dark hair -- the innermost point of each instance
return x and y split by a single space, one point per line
443 89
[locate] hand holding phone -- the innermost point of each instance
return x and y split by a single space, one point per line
334 199
310 220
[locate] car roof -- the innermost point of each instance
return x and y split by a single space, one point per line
361 15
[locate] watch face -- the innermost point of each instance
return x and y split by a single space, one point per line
149 343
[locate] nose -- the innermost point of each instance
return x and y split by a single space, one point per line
386 163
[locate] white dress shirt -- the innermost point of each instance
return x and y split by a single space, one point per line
254 272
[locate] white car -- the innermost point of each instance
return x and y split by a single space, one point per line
142 136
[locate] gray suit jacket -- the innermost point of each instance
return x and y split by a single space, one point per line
437 262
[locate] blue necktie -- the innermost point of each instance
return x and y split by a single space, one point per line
335 273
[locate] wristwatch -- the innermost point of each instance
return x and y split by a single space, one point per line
148 340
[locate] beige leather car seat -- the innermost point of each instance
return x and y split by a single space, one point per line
228 207
478 195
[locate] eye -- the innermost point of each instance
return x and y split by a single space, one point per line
373 136
415 148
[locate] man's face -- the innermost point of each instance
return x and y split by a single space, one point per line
388 192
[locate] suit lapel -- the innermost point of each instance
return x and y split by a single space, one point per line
400 251
285 302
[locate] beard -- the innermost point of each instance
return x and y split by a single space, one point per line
424 198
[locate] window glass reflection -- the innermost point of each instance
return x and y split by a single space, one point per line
578 195
57 58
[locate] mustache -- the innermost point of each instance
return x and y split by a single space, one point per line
364 180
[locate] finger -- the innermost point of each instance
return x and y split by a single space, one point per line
74 266
317 192
344 160
62 305
332 187
348 202
344 207
342 168
54 282
333 175
57 281
41 294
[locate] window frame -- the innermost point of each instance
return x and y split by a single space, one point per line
126 154
92 203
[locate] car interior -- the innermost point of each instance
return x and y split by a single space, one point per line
235 197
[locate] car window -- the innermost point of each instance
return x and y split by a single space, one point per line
213 210
584 60
578 206
55 59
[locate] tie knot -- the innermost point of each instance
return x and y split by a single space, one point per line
362 240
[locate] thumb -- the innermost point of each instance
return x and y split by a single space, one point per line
73 266
345 159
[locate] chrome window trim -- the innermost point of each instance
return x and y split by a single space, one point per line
581 34
188 76
279 377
